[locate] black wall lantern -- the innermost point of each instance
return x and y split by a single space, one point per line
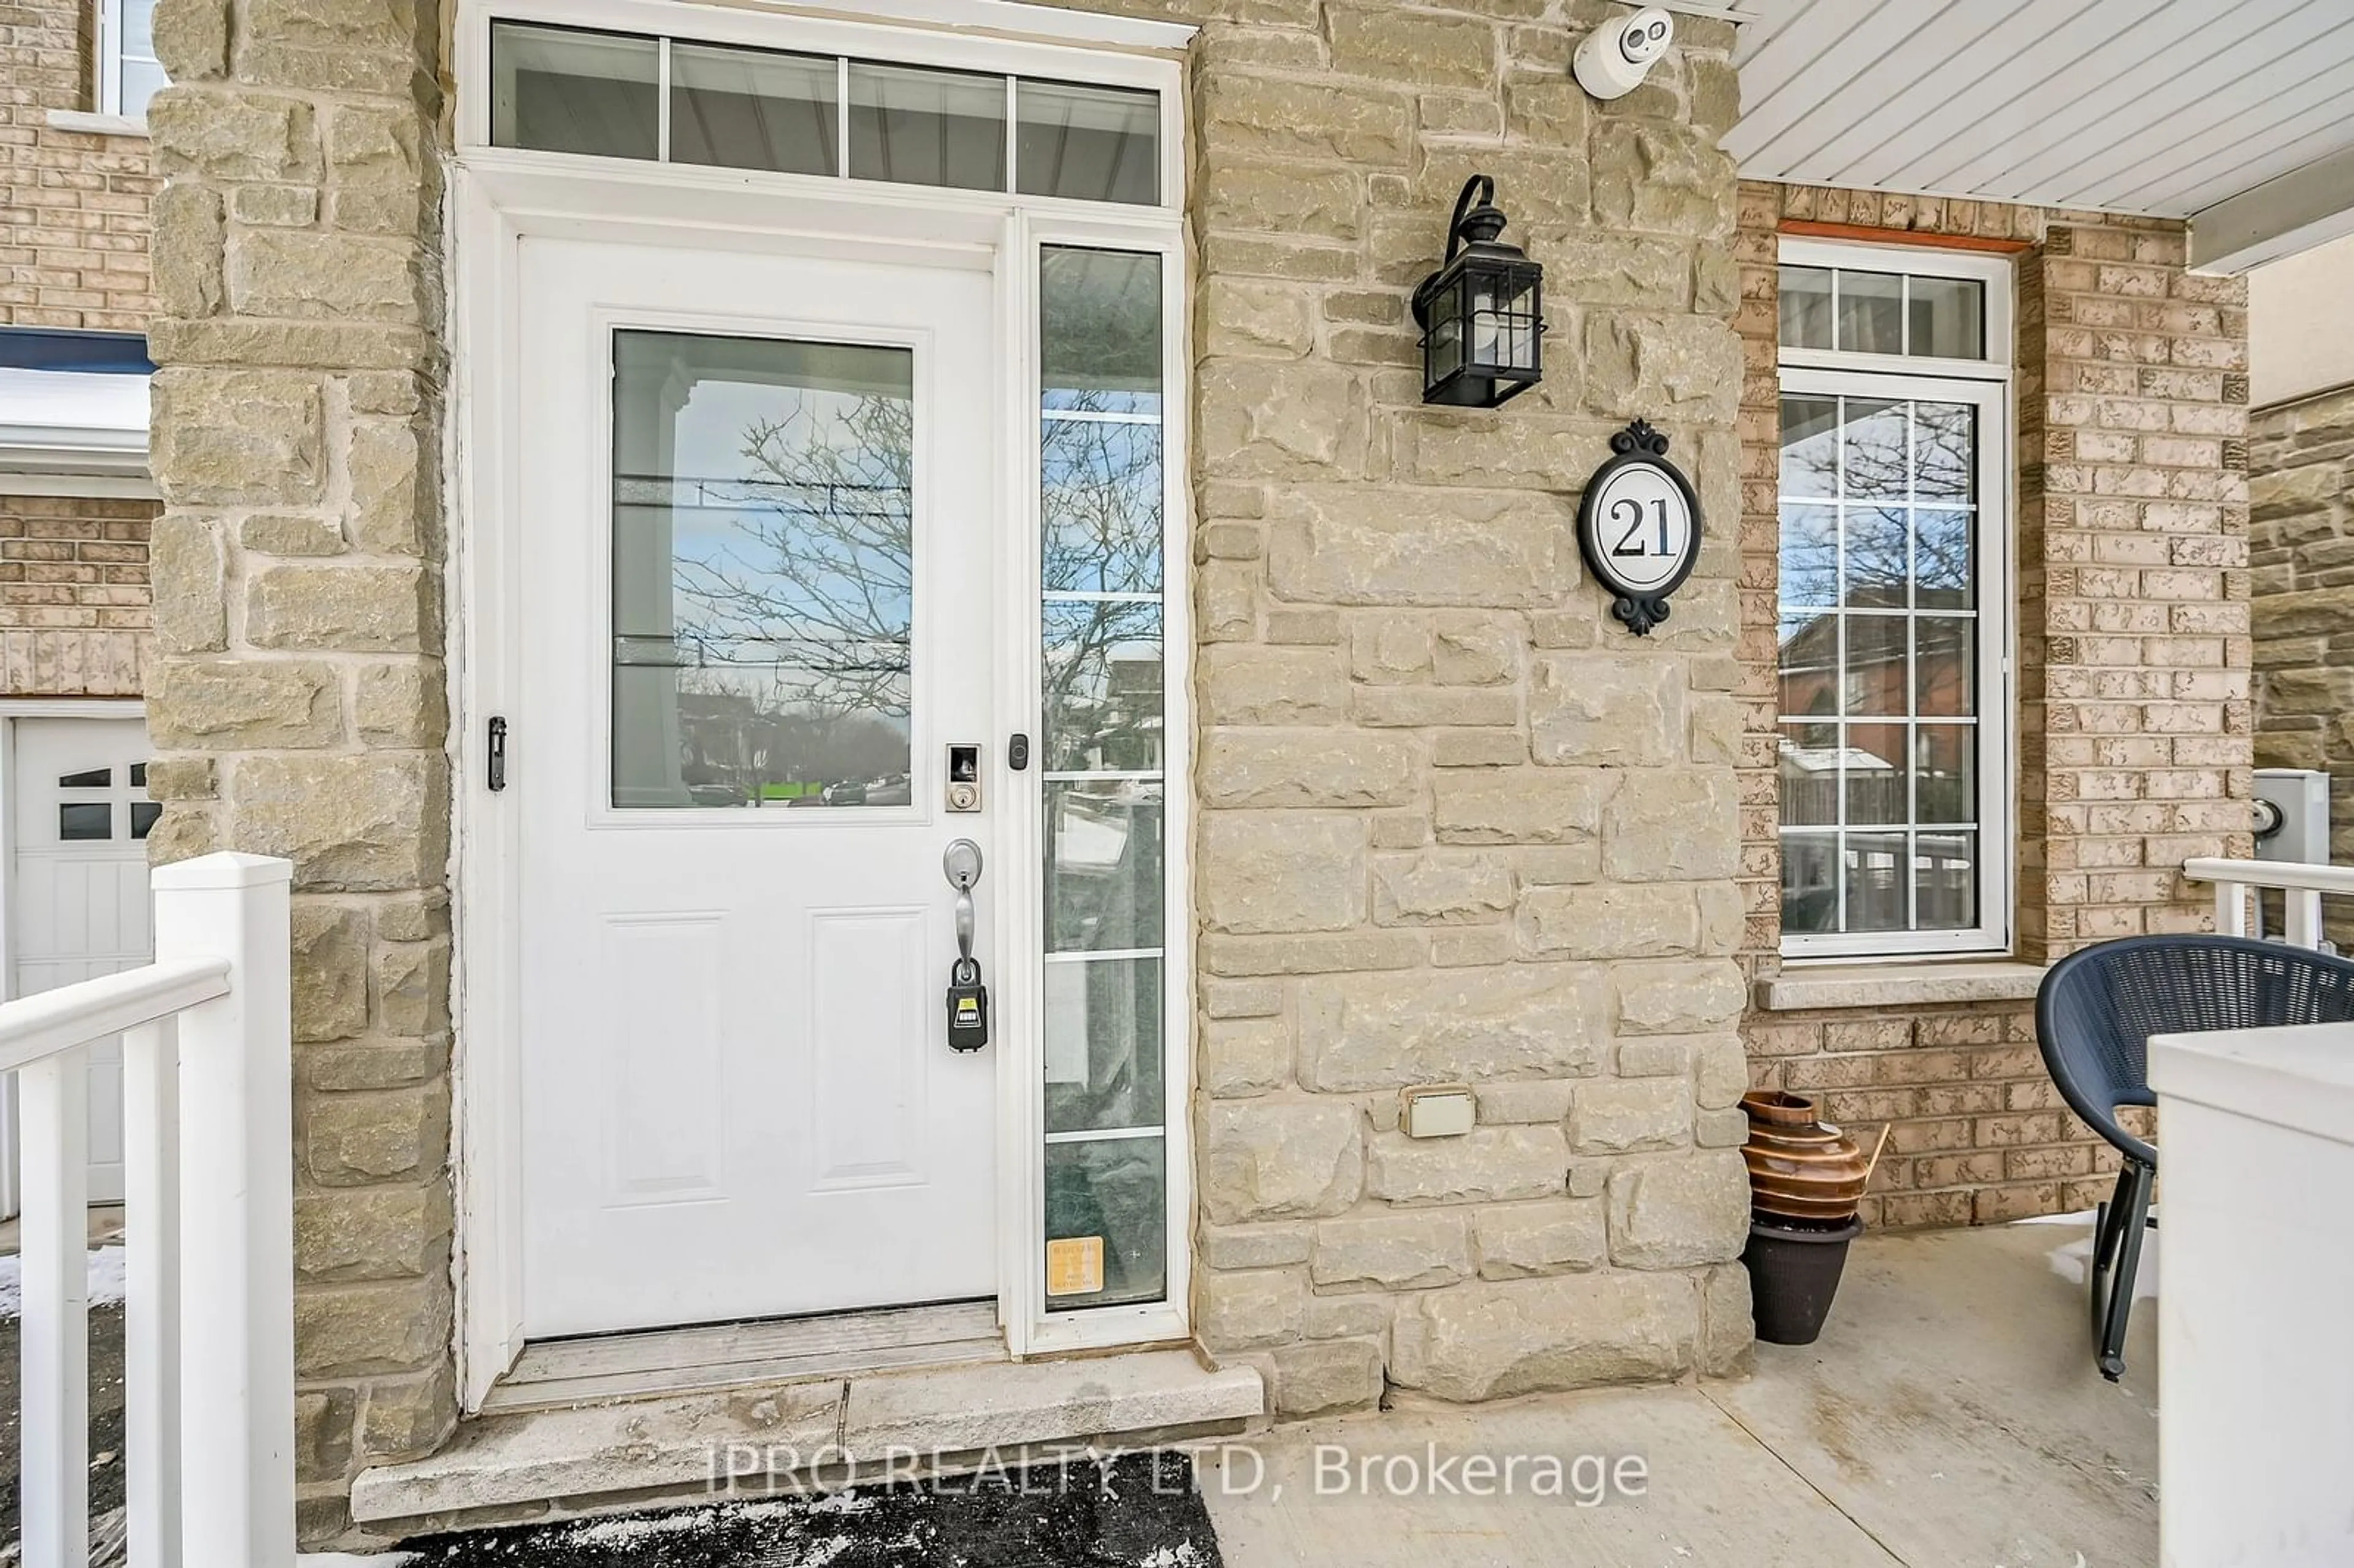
1482 313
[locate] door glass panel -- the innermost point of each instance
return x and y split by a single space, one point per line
1115 1191
1090 143
926 127
1103 1044
1104 743
748 109
560 90
1102 673
1099 332
763 571
1101 503
1104 866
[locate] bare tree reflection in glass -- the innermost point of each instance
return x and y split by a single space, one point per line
1878 531
764 572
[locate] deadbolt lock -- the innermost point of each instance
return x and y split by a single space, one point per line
964 777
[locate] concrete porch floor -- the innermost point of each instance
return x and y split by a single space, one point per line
1950 1416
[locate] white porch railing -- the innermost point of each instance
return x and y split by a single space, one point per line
208 1243
2301 888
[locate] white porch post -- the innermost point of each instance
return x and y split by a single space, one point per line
2230 909
237 1187
54 1419
151 1321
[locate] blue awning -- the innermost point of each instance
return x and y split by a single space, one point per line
86 352
73 409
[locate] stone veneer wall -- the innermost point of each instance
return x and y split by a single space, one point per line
73 206
73 596
297 697
2133 678
2301 539
1457 823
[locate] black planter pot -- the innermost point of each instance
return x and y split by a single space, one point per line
1794 1272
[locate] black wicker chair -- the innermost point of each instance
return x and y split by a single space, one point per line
2093 1016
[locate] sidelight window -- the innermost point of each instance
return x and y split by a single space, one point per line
1102 511
1893 636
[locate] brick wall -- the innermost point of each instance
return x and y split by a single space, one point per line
73 206
73 596
2134 519
2301 576
2132 677
73 253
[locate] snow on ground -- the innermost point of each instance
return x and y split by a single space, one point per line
2074 1262
105 1280
347 1560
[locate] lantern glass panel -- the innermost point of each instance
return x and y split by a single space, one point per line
1488 325
1522 311
1443 355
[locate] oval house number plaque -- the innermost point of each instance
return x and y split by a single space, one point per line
1639 526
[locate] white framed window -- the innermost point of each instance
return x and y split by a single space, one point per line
1894 633
128 72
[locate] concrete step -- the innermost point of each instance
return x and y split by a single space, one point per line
816 1436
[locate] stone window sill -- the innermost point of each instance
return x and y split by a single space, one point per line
95 124
1813 987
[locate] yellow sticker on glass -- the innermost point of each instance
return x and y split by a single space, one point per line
1075 1266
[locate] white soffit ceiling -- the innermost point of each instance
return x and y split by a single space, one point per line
2238 114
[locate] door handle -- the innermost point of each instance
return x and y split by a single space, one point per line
967 998
961 864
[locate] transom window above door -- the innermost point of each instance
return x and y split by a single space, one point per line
617 95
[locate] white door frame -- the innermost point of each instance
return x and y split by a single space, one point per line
500 195
11 710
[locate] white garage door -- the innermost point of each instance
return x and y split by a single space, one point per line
78 889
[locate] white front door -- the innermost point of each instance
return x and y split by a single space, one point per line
758 520
77 893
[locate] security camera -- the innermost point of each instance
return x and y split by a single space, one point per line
1613 61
